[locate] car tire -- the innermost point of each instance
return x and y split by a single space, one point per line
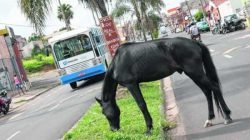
243 26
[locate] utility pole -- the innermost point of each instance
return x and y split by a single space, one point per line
189 10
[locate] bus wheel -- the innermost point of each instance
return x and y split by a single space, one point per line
73 85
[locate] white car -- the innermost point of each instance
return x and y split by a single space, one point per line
163 32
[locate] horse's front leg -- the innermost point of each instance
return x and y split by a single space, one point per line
136 93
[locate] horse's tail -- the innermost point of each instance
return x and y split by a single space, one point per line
212 75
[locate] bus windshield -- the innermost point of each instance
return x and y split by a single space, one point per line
72 47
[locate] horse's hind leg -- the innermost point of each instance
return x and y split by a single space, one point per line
201 80
136 93
226 111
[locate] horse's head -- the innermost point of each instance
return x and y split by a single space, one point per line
112 113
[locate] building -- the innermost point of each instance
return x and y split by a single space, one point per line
28 48
10 60
218 9
191 7
246 10
177 18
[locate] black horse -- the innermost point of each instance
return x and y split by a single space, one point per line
148 61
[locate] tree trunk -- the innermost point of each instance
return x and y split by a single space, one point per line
149 26
92 11
101 6
138 16
143 31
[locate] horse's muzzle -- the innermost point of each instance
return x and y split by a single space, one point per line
114 129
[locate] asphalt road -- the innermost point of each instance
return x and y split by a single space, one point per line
51 114
231 55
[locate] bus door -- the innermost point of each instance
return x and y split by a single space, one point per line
99 43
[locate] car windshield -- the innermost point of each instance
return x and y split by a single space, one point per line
200 23
230 17
71 47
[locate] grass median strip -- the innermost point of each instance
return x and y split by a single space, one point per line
94 126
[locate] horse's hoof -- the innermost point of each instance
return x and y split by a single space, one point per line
228 121
149 132
208 123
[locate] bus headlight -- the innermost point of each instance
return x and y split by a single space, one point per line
61 72
94 61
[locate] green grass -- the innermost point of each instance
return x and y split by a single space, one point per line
94 126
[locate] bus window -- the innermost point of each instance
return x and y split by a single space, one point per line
71 47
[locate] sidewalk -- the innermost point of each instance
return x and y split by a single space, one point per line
40 83
171 110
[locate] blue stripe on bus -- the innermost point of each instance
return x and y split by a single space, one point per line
84 74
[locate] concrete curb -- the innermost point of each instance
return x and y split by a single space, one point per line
33 97
172 111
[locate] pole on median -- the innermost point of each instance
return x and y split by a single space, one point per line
203 11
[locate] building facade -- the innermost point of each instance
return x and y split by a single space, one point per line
10 62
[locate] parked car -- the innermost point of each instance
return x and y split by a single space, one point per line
232 23
163 32
203 26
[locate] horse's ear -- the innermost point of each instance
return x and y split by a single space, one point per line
99 101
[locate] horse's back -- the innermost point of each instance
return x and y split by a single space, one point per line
143 61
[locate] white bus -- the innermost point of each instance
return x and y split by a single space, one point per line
79 55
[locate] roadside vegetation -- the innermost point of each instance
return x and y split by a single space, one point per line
94 126
38 63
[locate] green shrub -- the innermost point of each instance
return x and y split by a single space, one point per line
37 63
39 57
198 16
156 33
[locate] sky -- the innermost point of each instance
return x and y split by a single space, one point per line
11 15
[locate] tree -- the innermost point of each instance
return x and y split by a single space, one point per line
98 5
198 16
139 8
36 11
65 13
35 37
153 23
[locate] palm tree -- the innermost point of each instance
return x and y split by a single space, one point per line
139 8
154 5
153 24
36 11
129 7
98 5
65 13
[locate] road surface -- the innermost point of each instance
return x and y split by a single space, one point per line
231 55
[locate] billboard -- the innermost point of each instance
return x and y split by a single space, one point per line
110 34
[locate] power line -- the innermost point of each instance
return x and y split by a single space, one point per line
28 26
